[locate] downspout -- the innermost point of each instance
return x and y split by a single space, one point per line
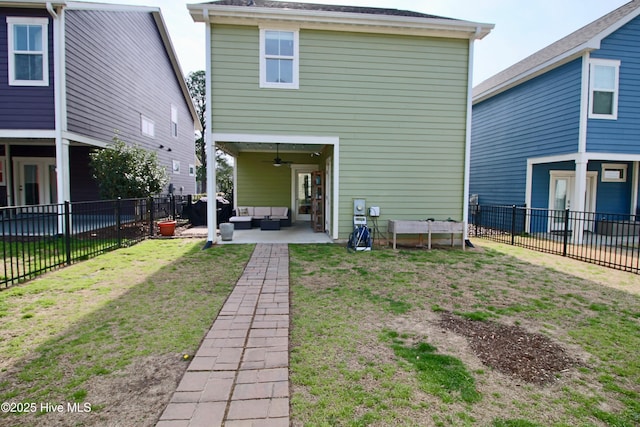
209 143
467 151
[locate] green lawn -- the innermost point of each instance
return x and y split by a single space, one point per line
112 327
368 348
367 343
23 260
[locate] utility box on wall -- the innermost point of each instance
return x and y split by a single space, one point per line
359 207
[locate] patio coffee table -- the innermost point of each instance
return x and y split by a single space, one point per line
269 224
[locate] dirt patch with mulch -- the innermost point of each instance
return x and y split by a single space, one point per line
511 350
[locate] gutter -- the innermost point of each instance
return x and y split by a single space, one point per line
52 12
31 3
315 19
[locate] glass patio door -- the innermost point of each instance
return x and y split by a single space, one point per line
561 191
560 194
31 185
303 196
36 182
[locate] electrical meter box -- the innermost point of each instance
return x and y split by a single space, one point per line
359 207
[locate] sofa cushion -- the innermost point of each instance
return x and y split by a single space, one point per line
244 211
261 211
280 212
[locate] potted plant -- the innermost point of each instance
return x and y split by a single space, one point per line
167 228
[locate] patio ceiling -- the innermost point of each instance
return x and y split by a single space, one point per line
235 148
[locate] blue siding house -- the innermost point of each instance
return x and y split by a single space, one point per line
72 75
561 129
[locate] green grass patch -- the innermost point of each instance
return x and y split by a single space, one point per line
480 316
24 260
439 374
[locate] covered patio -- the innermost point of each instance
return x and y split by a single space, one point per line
275 171
299 232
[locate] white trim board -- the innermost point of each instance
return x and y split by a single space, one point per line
274 139
19 133
340 21
618 157
290 139
74 137
573 157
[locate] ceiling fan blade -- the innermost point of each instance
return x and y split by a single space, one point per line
278 161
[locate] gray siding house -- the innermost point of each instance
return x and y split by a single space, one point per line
73 75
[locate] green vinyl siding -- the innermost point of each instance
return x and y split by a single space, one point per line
262 184
397 103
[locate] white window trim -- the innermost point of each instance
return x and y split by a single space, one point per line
147 126
44 23
615 166
607 63
296 60
192 170
176 167
174 121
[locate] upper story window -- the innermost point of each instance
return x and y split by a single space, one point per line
604 77
147 126
279 59
28 56
174 121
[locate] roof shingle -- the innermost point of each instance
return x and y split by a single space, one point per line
324 8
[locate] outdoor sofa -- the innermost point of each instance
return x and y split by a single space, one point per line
246 217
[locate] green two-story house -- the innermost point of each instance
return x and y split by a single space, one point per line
377 99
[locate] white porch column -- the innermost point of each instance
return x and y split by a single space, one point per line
63 180
578 200
62 170
212 226
467 142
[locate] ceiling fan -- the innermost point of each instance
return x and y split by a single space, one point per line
277 161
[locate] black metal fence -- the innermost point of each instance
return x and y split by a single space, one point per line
36 239
611 240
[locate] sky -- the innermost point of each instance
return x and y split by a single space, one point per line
521 27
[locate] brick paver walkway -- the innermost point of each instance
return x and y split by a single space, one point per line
240 374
